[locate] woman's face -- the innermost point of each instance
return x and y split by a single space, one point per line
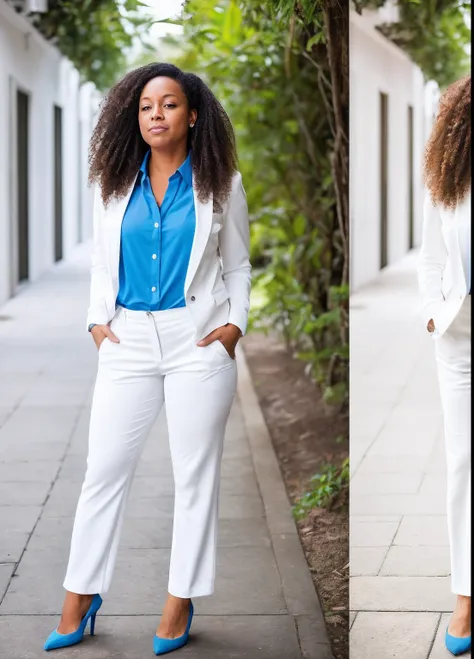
163 114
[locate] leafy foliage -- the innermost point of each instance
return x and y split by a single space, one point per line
434 34
94 34
330 487
280 70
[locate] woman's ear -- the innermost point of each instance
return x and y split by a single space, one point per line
192 118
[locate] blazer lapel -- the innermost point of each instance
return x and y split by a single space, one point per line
116 213
203 213
459 255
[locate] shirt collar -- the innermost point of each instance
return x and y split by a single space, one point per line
186 169
144 165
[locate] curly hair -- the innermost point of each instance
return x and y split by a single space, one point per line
117 148
447 166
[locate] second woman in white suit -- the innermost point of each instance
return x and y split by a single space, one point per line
445 283
170 286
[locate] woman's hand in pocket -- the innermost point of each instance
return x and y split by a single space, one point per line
101 332
228 335
431 326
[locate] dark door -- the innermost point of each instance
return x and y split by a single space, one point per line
383 180
79 183
58 184
22 189
411 222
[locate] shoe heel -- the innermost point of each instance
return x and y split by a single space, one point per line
93 624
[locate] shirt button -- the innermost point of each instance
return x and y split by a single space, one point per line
153 289
156 225
192 298
154 256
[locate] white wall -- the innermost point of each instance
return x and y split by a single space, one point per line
376 65
31 64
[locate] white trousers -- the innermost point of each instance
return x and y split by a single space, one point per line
453 354
156 362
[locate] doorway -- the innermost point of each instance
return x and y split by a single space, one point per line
411 214
383 180
22 122
58 183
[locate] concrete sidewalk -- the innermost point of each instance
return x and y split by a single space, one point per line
400 587
265 604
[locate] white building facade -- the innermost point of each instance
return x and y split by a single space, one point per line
46 118
391 112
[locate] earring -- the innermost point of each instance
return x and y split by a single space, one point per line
191 125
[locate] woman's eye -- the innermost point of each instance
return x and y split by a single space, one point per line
169 105
146 107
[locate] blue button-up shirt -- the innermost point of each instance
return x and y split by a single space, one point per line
156 242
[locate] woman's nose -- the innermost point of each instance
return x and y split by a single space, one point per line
157 113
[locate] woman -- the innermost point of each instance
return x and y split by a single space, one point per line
170 286
445 283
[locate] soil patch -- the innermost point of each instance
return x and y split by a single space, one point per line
304 438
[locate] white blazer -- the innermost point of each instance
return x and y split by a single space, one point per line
217 286
443 267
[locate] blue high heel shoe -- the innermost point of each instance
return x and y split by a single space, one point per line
164 645
56 640
457 645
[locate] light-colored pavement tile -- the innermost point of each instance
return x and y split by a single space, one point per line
381 635
395 440
31 452
436 464
397 504
16 525
19 494
372 534
43 471
380 483
428 561
5 411
423 530
393 464
434 484
6 571
366 560
52 423
401 594
375 519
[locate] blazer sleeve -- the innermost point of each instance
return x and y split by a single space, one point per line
234 247
97 312
432 262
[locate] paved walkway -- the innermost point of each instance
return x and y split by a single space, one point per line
400 586
265 605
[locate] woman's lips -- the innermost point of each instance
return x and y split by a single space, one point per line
157 129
